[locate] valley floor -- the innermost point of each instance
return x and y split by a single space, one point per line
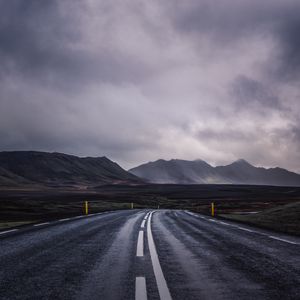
23 206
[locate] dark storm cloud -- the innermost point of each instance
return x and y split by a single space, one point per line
234 20
139 80
213 135
249 92
289 47
32 37
224 21
39 39
295 132
36 37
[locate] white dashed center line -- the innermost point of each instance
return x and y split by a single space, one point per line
140 244
143 224
140 288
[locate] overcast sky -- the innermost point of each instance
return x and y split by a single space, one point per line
141 80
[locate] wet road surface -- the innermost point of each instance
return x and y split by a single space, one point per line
144 254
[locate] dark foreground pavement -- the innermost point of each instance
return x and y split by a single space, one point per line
148 255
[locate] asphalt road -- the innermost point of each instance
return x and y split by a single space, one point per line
141 255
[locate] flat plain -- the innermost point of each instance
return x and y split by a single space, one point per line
246 203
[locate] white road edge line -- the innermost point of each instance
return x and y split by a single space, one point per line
280 239
212 220
7 231
246 229
143 224
225 223
140 244
41 224
195 215
61 220
163 289
140 288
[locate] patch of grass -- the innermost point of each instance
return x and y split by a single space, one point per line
7 225
285 218
52 204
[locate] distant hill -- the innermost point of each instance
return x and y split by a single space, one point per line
178 171
18 168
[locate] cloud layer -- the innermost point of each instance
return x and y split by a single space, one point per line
140 80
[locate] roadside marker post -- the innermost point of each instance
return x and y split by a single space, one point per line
212 209
86 207
131 205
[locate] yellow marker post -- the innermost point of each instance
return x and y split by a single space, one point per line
86 207
131 205
212 209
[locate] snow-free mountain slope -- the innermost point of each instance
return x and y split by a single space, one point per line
42 168
198 172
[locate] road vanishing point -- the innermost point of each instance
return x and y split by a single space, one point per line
147 254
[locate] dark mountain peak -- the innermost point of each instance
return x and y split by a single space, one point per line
59 169
96 158
241 162
178 160
199 160
158 161
175 162
199 172
31 153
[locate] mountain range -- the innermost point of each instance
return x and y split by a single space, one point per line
18 168
178 171
33 168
